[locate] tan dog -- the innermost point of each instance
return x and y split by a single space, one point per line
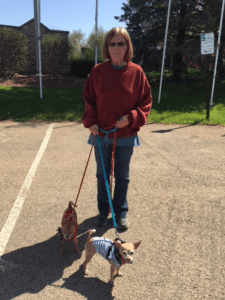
117 252
68 229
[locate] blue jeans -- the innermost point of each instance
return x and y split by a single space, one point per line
121 173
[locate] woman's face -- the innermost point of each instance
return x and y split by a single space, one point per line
117 53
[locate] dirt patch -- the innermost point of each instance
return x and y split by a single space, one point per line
61 81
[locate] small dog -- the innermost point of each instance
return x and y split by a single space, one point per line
117 252
68 230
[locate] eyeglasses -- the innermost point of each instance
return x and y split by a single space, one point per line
113 45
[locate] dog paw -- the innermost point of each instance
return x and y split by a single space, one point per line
111 283
119 274
84 269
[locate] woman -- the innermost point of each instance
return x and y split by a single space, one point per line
116 89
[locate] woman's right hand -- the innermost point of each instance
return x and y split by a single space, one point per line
94 129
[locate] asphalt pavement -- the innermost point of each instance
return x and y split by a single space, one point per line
176 203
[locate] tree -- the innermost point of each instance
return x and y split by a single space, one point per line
146 23
212 15
76 40
188 20
90 44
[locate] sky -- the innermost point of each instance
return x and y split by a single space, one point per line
68 15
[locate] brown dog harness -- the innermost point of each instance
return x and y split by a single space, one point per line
69 217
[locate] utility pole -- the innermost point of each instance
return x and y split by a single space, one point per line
207 84
36 33
38 40
164 49
207 48
217 53
96 30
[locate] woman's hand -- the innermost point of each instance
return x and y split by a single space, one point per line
123 122
94 129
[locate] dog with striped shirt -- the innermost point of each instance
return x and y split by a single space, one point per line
117 253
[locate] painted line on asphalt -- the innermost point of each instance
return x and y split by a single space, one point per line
15 211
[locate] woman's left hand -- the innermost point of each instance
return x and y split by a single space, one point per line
123 122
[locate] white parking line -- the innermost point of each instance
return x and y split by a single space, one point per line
15 211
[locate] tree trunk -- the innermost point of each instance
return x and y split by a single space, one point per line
177 67
178 57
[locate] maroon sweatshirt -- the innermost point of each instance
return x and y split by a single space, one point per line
109 94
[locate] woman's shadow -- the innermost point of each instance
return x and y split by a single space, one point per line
31 269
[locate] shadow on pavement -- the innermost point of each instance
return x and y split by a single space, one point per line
31 269
90 288
172 129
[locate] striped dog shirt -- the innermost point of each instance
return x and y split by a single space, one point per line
102 246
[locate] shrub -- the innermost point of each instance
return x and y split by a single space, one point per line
13 51
54 51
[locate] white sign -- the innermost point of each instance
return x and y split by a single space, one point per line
207 43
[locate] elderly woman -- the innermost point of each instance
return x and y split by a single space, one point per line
116 89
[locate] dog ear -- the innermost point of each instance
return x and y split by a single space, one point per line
136 245
70 204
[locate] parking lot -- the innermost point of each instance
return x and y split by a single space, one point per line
176 203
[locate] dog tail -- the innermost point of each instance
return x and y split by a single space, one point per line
90 233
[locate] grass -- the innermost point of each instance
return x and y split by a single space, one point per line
180 104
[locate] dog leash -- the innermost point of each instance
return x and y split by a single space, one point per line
103 167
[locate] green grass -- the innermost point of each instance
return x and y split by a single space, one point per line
180 104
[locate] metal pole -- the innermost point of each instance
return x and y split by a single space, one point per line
164 50
96 30
39 45
207 84
217 54
36 33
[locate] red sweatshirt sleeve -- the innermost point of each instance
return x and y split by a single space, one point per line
90 115
139 115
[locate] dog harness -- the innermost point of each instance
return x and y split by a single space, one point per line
107 249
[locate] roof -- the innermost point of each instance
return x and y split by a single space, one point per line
32 20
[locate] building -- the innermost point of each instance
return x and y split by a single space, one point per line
28 29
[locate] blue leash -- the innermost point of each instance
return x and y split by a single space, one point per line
106 183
